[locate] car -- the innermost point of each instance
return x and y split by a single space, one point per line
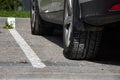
82 20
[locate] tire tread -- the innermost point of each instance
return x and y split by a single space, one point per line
90 39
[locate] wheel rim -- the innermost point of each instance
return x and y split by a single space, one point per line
68 22
32 13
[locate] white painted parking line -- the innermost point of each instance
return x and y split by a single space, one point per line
31 55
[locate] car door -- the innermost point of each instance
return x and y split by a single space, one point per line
45 5
53 10
51 5
57 11
57 5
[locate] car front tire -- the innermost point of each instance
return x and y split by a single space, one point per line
38 25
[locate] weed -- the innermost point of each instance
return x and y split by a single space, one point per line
8 26
23 62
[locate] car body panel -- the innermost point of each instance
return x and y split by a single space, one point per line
51 10
97 12
58 5
97 7
44 5
94 12
50 5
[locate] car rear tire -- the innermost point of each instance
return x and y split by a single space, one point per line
78 44
38 25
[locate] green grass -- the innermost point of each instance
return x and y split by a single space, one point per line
20 14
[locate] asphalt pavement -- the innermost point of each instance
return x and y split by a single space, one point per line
16 64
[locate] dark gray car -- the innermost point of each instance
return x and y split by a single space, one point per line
82 20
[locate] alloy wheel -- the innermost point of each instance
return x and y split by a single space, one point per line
68 22
33 15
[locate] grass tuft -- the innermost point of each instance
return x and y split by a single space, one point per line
8 26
